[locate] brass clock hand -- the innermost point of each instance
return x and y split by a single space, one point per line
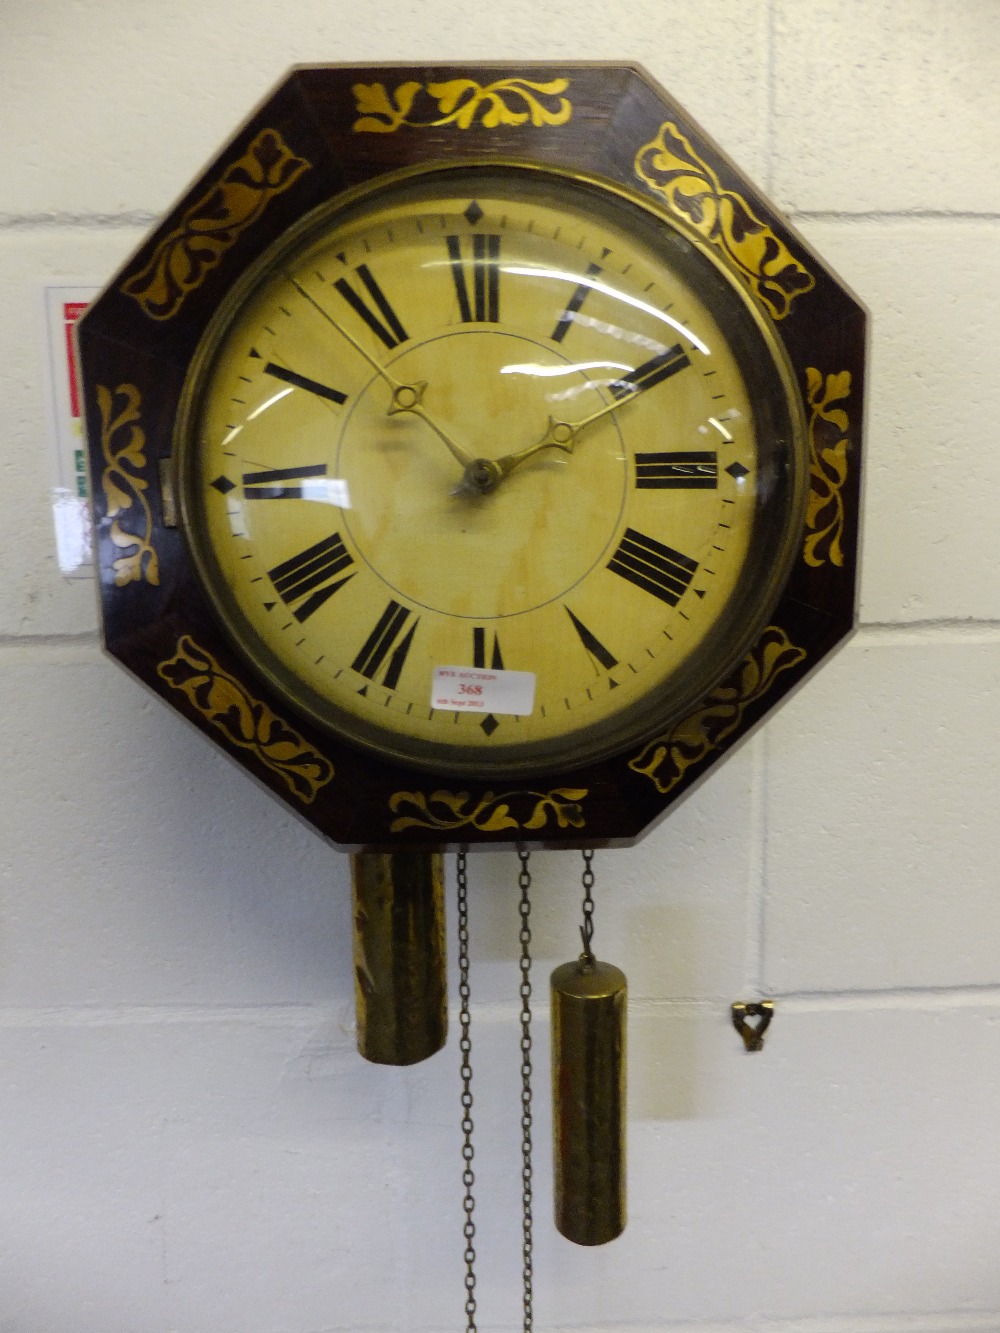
483 475
405 397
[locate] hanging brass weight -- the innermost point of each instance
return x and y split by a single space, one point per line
400 986
588 1099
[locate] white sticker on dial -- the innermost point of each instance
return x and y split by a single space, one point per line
457 689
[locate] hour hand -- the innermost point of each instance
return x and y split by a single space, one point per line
409 398
483 475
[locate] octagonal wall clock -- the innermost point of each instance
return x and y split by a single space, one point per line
475 454
476 460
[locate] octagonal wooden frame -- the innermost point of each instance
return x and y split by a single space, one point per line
329 128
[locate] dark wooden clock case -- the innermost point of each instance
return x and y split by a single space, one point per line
325 129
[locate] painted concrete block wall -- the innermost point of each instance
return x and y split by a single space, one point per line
188 1142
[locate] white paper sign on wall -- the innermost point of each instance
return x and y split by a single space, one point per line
70 508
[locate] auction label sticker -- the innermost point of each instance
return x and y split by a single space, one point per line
461 689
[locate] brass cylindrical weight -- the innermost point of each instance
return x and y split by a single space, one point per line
400 987
588 1100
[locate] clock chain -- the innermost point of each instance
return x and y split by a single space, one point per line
587 929
524 908
465 1050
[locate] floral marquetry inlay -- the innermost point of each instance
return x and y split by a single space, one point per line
246 722
462 103
827 466
690 741
669 165
123 449
211 225
492 813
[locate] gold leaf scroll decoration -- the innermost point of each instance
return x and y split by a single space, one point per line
669 165
246 722
459 101
666 759
123 447
827 467
213 223
492 813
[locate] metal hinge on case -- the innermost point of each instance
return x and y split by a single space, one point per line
168 503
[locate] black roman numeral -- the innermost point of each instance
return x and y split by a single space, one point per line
479 650
651 372
592 643
653 567
313 575
391 332
573 304
484 307
385 641
304 382
270 484
693 470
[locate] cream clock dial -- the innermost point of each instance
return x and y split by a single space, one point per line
495 418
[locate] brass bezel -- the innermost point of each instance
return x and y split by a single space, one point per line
579 747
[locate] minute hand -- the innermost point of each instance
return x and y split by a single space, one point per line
562 434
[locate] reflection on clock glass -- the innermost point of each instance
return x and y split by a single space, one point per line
496 418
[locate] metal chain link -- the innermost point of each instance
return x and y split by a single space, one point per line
587 929
465 1048
524 883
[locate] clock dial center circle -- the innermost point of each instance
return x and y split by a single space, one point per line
463 552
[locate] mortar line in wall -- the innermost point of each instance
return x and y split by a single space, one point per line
53 221
163 1202
905 999
38 647
14 222
756 906
275 1015
949 630
986 995
396 1109
935 1321
889 215
772 98
891 997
